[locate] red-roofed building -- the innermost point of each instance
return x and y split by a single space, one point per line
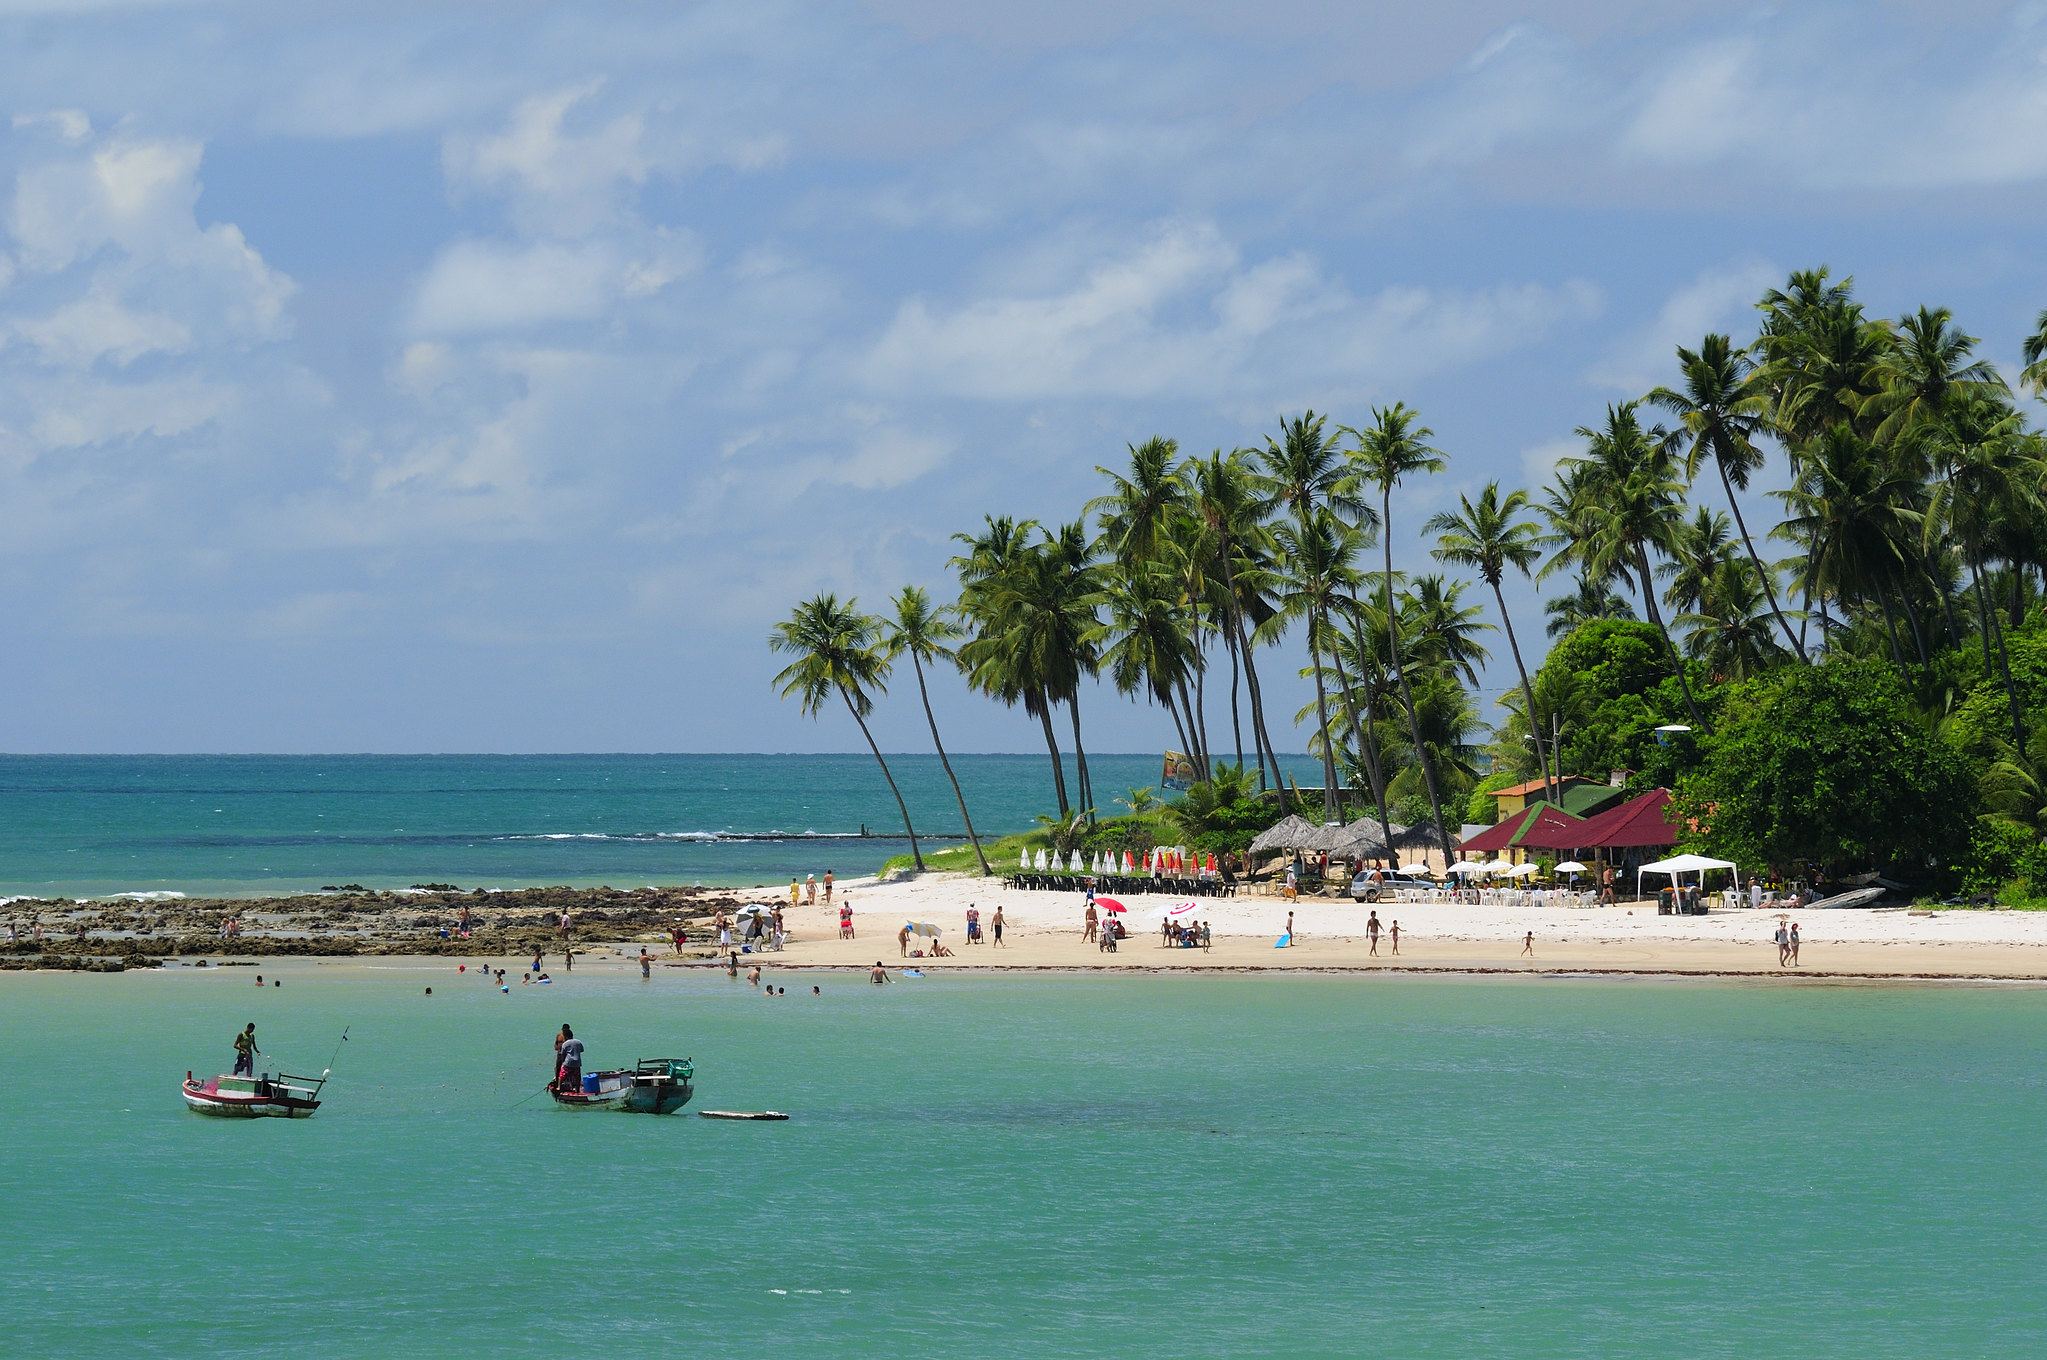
1636 824
1510 835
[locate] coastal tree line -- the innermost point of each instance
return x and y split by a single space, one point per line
1907 545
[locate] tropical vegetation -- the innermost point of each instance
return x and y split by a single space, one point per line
1800 581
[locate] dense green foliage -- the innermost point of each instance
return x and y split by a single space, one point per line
1824 766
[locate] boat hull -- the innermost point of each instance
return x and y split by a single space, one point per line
634 1092
208 1099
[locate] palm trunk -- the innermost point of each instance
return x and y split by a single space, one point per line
1883 599
1414 727
1260 741
917 665
1912 621
1368 750
1236 722
1769 585
2011 689
1677 664
1527 698
1085 788
1058 770
1329 812
902 807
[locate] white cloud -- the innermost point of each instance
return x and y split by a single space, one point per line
488 286
1720 299
69 125
1180 314
560 179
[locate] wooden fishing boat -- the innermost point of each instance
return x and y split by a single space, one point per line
652 1086
266 1097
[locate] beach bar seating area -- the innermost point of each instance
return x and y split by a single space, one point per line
1162 869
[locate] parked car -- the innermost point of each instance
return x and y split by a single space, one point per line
1364 887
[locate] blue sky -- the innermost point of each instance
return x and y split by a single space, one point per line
471 377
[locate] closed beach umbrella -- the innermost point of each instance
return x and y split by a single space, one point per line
1110 904
1129 863
1023 859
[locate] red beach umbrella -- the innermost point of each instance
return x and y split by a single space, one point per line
1110 904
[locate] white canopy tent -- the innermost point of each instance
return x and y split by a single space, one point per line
1677 865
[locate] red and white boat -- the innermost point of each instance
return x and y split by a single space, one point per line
266 1097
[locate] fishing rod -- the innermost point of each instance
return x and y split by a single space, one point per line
335 1054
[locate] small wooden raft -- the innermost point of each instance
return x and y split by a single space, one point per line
741 1114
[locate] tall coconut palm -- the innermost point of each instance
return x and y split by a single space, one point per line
1138 511
1727 626
1586 602
925 635
1628 475
1854 516
1723 408
1304 471
1145 644
1699 547
2034 375
994 559
1227 501
836 652
1929 367
1393 447
1316 573
1491 536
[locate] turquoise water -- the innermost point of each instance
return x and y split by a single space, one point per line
78 826
1075 1166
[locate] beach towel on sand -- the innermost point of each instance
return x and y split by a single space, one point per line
1284 941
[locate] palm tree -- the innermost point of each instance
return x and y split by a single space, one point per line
1491 536
1227 501
1727 626
1566 613
994 559
1304 471
926 634
1698 549
1723 409
836 653
1927 370
1138 510
2034 375
1146 648
1854 514
1393 447
1316 573
1628 475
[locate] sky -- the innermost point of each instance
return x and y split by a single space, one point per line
472 377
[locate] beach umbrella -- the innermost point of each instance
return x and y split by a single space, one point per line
1572 866
1523 870
1468 866
1110 904
1422 869
924 928
1129 863
1041 861
1211 863
1180 910
753 909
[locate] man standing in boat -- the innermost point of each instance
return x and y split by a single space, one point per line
568 1060
245 1051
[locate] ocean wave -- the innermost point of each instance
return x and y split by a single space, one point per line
164 895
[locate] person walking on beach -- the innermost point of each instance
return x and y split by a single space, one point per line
1528 944
810 890
795 892
1289 930
973 924
1606 897
1093 921
845 916
1372 933
995 924
828 887
245 1051
1394 935
779 929
1792 941
1783 938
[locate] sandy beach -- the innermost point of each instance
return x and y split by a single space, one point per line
1043 931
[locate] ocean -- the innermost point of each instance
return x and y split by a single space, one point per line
1045 1166
229 826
